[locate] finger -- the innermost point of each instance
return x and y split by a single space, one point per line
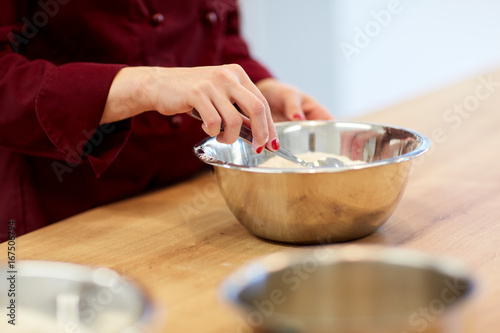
211 119
293 106
231 119
246 82
272 141
252 107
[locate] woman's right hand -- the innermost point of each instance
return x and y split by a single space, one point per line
210 90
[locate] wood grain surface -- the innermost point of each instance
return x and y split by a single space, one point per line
179 243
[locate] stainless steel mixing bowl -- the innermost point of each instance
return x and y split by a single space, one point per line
350 289
47 297
301 205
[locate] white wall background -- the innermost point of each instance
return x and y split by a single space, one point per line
399 48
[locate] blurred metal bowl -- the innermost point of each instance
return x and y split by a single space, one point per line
301 205
349 289
62 297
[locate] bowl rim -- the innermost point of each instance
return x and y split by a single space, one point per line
147 320
424 146
261 268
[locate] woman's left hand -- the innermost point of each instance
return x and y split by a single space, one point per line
289 103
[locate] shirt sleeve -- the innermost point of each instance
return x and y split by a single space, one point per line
236 50
53 111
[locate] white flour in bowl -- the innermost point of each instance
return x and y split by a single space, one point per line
279 162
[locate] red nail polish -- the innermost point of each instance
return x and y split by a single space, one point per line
298 116
275 144
260 149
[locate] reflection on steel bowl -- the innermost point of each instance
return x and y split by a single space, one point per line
62 297
350 289
319 205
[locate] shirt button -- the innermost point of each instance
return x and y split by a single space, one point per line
211 17
176 121
157 19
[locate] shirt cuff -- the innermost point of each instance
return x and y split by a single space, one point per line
69 108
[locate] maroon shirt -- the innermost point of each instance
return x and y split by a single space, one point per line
57 62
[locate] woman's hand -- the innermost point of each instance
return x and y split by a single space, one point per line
210 90
289 103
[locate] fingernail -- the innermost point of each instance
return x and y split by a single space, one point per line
298 116
260 149
275 144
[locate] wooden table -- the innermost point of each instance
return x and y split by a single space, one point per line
181 242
